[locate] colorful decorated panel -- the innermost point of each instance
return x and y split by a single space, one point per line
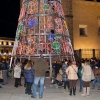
33 7
42 29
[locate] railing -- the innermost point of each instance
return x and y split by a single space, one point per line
87 53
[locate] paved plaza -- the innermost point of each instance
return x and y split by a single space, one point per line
9 92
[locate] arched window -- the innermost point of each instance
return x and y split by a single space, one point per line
6 43
2 51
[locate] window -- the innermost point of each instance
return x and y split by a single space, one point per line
7 51
2 42
12 43
7 43
83 30
2 51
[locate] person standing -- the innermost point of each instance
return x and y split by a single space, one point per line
23 65
29 77
40 67
1 76
99 63
92 63
80 76
4 72
64 75
71 71
17 73
97 77
57 68
86 77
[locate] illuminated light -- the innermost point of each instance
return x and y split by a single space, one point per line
4 42
9 43
5 53
9 53
51 36
0 42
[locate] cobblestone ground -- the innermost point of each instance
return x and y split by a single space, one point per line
9 92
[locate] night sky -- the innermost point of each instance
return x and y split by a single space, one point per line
9 13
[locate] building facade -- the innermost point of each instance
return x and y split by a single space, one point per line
6 45
83 18
86 27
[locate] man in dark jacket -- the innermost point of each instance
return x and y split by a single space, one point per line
40 67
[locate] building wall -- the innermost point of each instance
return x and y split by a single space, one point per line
6 45
86 13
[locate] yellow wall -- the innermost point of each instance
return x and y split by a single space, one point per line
85 13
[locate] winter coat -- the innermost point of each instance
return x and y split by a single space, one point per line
57 68
92 64
64 75
86 73
79 72
17 71
29 75
4 66
71 71
40 67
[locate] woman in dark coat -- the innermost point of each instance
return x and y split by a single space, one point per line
29 77
64 75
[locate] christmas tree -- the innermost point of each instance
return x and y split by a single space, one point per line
42 29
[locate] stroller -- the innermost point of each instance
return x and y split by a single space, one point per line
57 81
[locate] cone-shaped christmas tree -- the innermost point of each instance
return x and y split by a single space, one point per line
42 29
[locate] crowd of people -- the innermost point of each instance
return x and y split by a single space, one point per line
65 73
4 66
